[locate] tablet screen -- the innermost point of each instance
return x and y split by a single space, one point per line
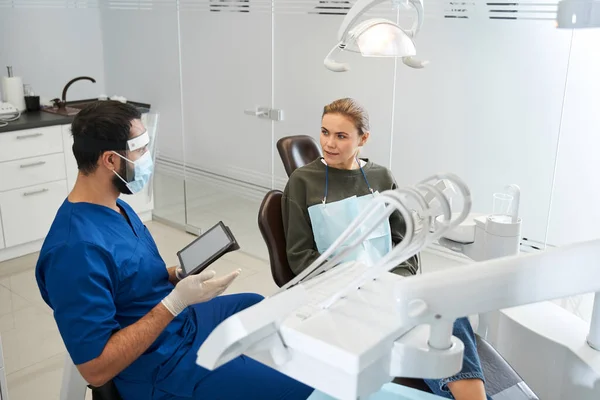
204 248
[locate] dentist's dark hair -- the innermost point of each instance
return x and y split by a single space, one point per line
352 110
103 120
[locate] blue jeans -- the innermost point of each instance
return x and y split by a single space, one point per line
471 368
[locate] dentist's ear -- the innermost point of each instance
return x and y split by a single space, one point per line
108 160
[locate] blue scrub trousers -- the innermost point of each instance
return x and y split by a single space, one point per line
241 378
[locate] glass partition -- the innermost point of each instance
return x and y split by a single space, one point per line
226 72
142 64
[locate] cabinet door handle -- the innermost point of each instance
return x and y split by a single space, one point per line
31 135
35 192
35 164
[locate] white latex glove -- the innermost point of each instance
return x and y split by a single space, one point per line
196 289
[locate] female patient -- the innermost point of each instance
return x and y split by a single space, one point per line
322 198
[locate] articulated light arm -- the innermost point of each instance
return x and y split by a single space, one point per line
362 6
440 298
358 10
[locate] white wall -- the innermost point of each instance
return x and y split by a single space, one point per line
49 47
487 108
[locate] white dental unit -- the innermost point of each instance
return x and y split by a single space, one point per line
349 329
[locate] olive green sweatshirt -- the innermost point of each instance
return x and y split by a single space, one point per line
306 187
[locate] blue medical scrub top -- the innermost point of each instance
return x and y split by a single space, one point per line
100 273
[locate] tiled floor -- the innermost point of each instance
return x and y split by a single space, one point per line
33 349
205 203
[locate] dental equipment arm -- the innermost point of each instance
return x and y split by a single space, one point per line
395 202
439 298
425 238
394 326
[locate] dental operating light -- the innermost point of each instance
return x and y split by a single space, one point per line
376 37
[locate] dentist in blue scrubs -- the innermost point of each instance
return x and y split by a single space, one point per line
122 314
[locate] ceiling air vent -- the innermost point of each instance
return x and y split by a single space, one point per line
130 4
49 3
531 11
332 7
242 6
226 6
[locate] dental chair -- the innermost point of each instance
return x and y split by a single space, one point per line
501 379
296 151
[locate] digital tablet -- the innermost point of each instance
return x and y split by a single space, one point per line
206 249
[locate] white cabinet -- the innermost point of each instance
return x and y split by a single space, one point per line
32 186
27 213
32 171
30 143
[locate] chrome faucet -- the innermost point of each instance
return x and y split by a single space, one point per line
61 103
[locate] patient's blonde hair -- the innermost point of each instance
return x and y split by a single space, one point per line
352 110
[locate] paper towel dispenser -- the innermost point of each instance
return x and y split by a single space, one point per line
12 90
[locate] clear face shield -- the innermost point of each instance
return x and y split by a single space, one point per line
138 155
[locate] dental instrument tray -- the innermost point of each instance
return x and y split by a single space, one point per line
206 249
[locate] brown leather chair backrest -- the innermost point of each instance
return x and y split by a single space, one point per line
270 224
297 151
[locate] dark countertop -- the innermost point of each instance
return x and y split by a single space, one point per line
36 119
40 119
